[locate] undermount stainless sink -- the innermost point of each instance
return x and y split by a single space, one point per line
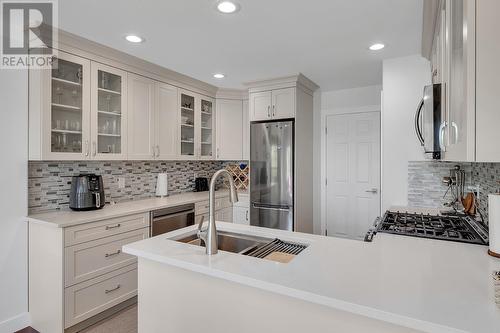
230 242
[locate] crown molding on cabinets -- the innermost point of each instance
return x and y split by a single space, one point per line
298 80
429 21
83 47
237 94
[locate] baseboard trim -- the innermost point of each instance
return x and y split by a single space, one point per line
15 323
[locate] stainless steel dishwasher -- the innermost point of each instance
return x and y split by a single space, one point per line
172 218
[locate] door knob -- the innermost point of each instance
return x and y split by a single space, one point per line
373 190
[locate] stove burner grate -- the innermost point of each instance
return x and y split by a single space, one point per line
454 228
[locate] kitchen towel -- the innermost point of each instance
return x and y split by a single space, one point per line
494 224
162 185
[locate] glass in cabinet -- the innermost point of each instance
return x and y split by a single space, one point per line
108 113
188 123
66 119
206 128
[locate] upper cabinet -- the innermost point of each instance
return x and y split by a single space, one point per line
453 65
459 80
487 81
141 118
108 121
166 122
229 129
60 110
273 104
196 126
246 131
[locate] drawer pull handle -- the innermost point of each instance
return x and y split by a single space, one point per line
109 227
107 255
107 291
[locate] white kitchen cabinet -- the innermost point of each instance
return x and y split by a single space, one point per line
196 123
166 122
80 271
229 118
260 105
459 79
241 215
59 110
108 112
224 214
283 103
275 104
141 118
246 131
487 81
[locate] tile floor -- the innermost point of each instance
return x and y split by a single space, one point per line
124 321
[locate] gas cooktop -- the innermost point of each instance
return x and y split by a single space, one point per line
459 228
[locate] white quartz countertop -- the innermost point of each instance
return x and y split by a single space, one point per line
428 285
66 218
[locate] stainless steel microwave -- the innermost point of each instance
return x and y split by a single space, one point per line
429 125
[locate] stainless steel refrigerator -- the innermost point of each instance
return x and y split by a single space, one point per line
271 174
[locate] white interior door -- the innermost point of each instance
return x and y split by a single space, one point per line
353 173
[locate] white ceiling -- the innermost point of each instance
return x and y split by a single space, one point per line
326 40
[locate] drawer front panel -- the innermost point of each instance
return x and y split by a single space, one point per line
201 207
89 298
95 230
222 203
91 259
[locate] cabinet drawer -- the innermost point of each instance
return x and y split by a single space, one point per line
88 260
92 231
89 298
201 207
222 203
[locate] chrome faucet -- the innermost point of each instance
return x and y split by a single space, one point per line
209 236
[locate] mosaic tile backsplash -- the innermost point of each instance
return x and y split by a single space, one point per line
49 183
425 187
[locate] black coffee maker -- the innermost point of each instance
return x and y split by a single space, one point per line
200 184
87 192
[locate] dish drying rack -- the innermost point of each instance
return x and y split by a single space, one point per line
240 176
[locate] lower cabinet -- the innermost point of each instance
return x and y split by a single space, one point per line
80 271
223 210
241 210
91 297
241 215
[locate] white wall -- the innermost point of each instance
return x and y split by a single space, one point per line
403 83
335 102
340 100
13 200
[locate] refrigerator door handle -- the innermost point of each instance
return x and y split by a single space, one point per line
271 207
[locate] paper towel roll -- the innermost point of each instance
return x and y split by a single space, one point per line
494 224
162 185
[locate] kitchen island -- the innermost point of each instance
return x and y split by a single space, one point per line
393 284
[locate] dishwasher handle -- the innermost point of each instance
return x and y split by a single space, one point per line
172 211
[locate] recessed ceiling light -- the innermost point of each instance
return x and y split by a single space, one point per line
219 76
376 47
227 7
134 39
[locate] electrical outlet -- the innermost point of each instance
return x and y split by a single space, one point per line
121 182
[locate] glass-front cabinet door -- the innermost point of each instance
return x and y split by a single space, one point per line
108 118
66 121
188 123
207 128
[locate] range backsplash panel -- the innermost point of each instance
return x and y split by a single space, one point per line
49 183
425 187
